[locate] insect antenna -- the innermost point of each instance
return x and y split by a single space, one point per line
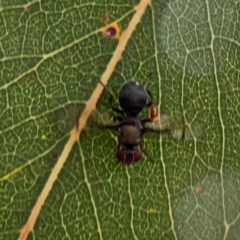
108 89
149 78
112 96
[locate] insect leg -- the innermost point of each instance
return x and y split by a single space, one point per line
118 118
151 130
117 110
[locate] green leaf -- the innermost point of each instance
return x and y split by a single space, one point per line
55 184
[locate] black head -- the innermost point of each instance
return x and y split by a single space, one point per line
132 97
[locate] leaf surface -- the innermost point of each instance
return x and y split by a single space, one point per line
59 182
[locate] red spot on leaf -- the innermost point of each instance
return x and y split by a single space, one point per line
111 31
28 8
54 155
105 18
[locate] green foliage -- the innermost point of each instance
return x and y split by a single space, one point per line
52 54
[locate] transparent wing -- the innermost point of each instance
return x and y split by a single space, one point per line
67 117
98 119
178 129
